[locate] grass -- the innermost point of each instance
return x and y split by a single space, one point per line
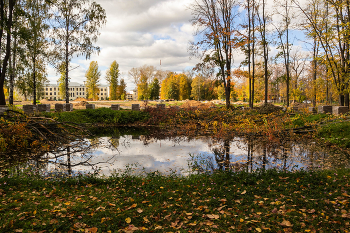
100 115
336 133
264 201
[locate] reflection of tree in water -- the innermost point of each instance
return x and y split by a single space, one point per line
259 153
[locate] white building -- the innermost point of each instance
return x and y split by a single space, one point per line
76 90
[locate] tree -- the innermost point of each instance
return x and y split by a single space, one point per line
6 21
154 89
215 22
263 18
283 35
196 87
92 79
112 76
62 80
184 87
76 25
121 93
37 15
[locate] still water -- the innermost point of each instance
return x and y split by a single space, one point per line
140 154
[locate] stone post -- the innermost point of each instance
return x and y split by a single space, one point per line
135 107
115 107
312 110
69 107
325 109
337 110
44 107
90 106
29 109
60 107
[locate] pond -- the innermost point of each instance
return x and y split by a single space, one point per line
138 151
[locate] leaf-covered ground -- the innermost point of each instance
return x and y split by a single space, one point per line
269 201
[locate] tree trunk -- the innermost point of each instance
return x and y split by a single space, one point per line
34 81
11 4
346 100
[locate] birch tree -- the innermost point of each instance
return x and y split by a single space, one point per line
75 28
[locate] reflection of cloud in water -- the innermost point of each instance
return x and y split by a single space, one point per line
168 155
159 155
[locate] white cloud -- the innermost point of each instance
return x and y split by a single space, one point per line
140 32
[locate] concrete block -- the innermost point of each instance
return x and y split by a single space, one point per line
161 106
90 106
115 107
43 107
325 109
69 107
337 110
3 109
135 107
60 107
29 109
312 110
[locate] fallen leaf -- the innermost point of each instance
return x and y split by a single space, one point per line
286 223
93 230
139 210
244 192
258 229
128 220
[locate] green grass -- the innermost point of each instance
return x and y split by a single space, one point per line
336 133
266 201
100 115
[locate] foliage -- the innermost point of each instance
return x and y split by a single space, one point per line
92 80
270 201
112 76
81 21
154 89
100 115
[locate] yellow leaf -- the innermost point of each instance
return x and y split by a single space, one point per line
244 192
286 223
145 219
92 230
241 220
34 213
128 220
133 205
258 229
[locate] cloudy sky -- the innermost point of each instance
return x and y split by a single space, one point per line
143 32
140 32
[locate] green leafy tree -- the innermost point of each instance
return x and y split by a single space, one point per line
112 78
154 89
92 79
121 93
62 81
76 25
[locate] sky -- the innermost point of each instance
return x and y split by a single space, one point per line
139 32
145 32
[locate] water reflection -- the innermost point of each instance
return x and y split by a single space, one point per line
183 155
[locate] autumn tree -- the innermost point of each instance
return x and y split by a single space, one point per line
217 36
92 79
112 76
75 27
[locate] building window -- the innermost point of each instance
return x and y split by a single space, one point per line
54 88
47 89
50 93
54 93
50 89
47 93
83 93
